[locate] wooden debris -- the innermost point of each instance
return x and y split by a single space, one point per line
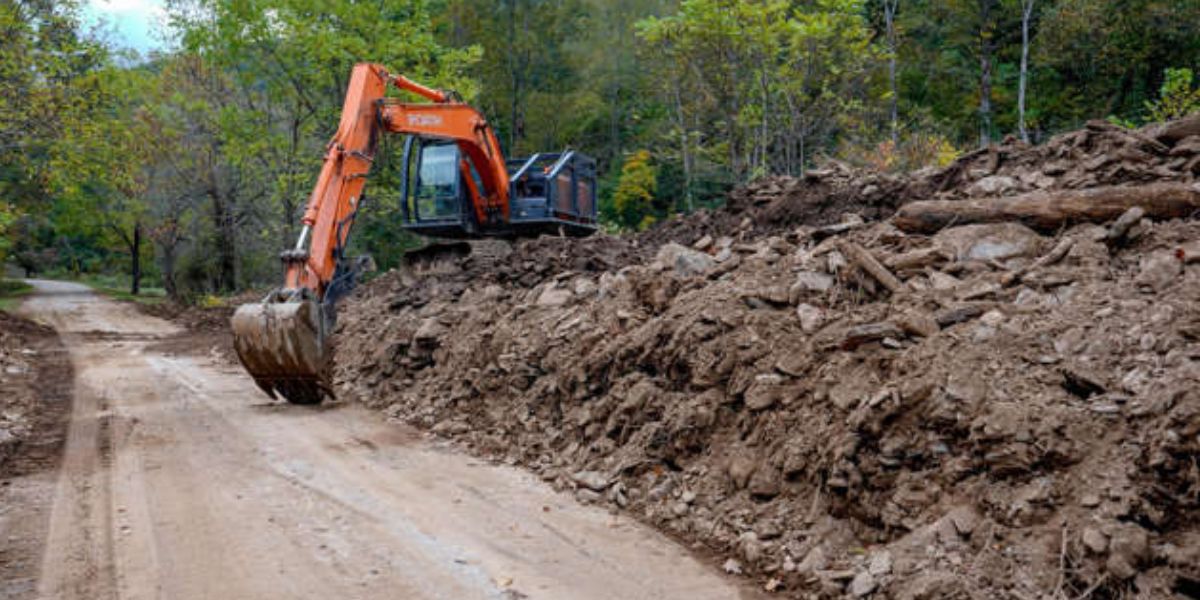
954 316
1118 231
871 332
1049 211
1173 131
863 259
1057 253
916 259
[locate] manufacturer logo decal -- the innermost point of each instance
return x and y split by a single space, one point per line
424 120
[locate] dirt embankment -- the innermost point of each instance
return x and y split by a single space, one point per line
35 375
834 406
35 402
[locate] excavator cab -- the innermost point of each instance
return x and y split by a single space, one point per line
549 193
455 183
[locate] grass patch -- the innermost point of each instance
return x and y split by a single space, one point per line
12 292
117 287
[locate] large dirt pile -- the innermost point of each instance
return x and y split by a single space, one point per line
834 406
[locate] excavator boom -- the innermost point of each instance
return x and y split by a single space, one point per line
463 187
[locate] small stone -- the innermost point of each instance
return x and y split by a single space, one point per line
554 296
809 282
688 496
703 243
686 262
810 317
586 496
814 561
942 281
733 567
1131 543
1120 567
964 519
752 549
863 584
741 467
993 185
1095 541
1089 500
429 331
592 480
764 483
768 529
918 323
680 509
764 392
1159 271
881 563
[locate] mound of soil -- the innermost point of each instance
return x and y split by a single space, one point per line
829 404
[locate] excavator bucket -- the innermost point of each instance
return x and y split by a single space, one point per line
283 347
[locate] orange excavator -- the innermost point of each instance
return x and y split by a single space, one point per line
455 183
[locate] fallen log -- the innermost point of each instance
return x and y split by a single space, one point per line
1051 210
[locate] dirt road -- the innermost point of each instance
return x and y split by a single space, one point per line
179 480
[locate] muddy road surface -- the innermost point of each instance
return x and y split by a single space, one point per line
180 480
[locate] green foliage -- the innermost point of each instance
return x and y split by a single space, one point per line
1176 97
8 217
770 83
633 200
12 293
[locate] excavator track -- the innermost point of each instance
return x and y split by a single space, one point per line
449 256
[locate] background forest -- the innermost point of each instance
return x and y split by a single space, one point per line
188 167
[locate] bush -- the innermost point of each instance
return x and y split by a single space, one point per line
1176 98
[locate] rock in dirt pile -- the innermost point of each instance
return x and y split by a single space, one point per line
834 406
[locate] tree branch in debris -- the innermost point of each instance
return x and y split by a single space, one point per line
1051 210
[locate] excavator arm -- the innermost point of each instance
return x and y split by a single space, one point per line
366 115
283 340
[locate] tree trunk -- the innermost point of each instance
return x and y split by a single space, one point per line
889 16
222 220
1051 210
135 252
986 43
1026 13
684 147
168 273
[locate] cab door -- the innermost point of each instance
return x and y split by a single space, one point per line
432 188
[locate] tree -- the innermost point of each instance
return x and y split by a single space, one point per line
768 83
97 166
1026 14
634 197
987 48
889 15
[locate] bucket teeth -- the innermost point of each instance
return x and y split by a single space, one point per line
282 346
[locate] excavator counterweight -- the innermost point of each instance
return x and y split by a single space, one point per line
455 183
